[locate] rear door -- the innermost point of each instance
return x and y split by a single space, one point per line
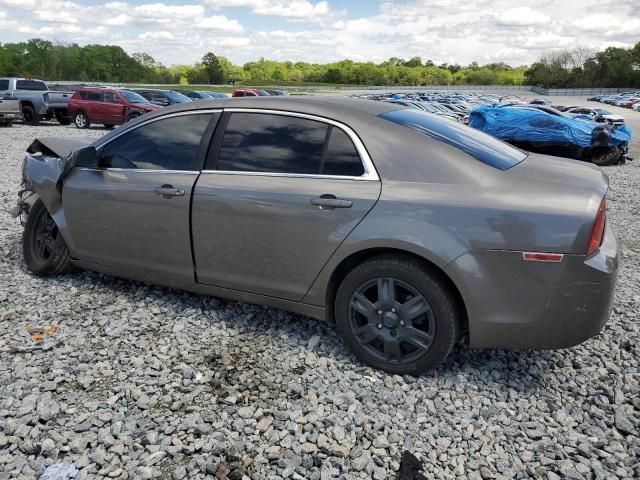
280 192
131 211
112 108
93 106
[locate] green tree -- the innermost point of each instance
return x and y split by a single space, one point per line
213 68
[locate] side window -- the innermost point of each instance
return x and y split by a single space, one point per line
341 157
111 98
169 144
94 96
239 93
31 85
84 95
4 84
257 142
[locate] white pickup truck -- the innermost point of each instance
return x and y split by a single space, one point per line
9 111
37 102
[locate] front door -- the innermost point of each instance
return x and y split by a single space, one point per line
131 211
284 194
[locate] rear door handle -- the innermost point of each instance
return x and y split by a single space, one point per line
167 191
330 202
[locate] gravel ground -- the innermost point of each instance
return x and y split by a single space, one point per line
144 382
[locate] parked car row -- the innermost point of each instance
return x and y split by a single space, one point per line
626 99
31 101
583 133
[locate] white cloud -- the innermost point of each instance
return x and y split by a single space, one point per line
291 9
220 22
522 16
161 35
181 31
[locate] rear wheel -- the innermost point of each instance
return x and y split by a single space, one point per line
44 249
62 117
81 120
29 115
397 314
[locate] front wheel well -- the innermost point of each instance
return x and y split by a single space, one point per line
357 258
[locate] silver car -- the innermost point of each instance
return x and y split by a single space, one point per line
407 230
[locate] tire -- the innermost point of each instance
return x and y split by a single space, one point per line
62 118
604 157
423 326
29 115
44 249
108 126
81 120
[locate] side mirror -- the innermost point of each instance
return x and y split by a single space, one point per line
85 157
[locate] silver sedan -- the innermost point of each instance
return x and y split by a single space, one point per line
407 230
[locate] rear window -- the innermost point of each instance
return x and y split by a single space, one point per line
474 143
30 85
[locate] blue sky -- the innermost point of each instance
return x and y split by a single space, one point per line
451 31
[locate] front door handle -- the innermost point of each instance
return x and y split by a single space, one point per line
329 202
167 191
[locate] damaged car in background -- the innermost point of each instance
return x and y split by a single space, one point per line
407 230
557 134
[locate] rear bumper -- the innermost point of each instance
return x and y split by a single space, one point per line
530 305
4 116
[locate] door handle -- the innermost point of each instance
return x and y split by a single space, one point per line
329 202
167 191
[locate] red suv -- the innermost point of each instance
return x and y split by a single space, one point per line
107 106
249 92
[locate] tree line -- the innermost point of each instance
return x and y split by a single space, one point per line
111 64
584 67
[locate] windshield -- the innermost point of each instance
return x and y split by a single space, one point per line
479 145
132 97
177 97
262 93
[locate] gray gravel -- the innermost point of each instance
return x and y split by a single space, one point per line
145 382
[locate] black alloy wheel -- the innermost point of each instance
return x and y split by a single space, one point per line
391 320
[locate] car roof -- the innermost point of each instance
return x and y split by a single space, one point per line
327 106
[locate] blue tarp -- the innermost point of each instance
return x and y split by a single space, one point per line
520 125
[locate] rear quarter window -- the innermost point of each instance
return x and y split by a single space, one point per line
479 145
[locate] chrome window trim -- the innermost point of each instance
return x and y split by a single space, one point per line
100 145
288 175
370 172
138 170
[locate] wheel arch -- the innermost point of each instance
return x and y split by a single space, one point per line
348 263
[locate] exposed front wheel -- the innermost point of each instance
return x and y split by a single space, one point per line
396 314
81 120
62 117
44 249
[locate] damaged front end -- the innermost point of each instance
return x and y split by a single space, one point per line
46 164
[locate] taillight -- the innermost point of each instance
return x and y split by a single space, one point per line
597 232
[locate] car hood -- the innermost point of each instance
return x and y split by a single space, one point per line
60 147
